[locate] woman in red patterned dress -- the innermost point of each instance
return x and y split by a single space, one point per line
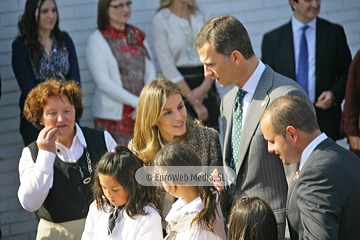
119 60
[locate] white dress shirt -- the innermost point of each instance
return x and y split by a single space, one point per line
36 178
310 34
142 227
250 87
173 39
310 148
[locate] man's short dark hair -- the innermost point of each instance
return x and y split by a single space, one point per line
291 111
226 34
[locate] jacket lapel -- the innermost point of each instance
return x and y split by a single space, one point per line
227 107
288 51
308 164
321 36
324 144
256 108
227 113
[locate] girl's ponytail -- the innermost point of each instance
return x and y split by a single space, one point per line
180 154
208 195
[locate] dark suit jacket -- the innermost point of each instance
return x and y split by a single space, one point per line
323 202
332 59
260 173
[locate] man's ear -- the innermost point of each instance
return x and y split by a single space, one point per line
236 56
292 133
292 4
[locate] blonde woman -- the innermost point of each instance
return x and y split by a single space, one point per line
161 118
174 28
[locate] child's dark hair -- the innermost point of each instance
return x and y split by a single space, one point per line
122 164
181 154
252 218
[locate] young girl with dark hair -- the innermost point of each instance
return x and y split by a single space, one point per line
41 51
197 213
122 208
252 219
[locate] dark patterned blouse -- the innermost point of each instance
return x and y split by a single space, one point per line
129 51
54 66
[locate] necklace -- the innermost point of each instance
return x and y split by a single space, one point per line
88 161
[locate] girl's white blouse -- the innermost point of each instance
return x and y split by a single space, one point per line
142 227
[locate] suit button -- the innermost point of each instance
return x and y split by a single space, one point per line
79 188
84 210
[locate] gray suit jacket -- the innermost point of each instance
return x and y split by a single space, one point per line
260 173
323 202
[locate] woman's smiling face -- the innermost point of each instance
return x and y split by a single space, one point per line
173 118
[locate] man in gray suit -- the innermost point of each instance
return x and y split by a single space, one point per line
323 200
225 50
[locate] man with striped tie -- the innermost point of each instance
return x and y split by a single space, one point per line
225 49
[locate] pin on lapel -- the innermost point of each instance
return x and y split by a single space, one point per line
263 104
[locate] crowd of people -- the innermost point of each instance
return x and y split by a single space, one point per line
279 124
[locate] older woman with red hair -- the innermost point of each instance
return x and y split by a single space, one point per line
56 170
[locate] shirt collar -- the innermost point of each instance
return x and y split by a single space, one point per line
79 137
296 24
116 30
310 148
180 207
254 79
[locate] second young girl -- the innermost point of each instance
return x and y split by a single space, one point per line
252 218
197 213
122 208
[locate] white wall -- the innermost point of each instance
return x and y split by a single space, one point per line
78 17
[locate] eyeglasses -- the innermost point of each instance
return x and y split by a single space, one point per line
121 5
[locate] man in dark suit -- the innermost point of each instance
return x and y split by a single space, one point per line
225 50
323 200
328 58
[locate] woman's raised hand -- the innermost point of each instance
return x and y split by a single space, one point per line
46 139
